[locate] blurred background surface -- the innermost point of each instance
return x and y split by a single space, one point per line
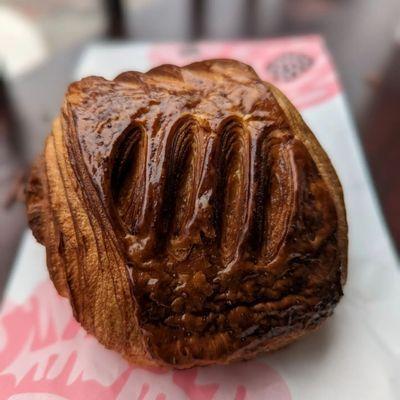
41 40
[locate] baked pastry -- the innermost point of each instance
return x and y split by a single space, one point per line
189 215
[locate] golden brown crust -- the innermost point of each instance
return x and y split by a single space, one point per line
189 215
325 168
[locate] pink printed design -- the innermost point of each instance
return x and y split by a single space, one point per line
45 354
299 66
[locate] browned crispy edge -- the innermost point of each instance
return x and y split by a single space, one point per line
245 354
325 168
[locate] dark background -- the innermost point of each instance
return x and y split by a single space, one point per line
362 35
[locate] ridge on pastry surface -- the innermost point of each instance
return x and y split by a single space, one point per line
189 214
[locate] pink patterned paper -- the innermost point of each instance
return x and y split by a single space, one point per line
299 66
45 354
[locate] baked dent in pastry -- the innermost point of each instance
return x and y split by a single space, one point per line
189 215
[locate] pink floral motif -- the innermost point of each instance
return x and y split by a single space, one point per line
44 353
314 82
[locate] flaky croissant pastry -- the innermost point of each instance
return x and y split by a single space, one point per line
189 215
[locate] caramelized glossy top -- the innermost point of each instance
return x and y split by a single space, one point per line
228 229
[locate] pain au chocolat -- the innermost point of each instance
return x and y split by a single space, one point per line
189 215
